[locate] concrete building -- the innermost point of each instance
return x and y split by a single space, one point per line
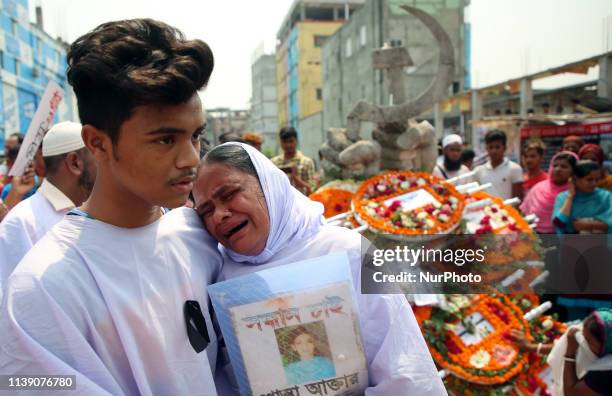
298 64
348 74
264 107
220 121
29 59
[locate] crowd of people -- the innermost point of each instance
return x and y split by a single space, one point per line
96 271
574 196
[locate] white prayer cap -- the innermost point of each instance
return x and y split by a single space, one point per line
451 139
62 138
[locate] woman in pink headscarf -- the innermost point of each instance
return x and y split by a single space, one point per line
541 198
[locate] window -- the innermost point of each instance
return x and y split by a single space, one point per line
396 43
349 48
39 47
1 59
319 94
16 67
363 36
14 27
319 40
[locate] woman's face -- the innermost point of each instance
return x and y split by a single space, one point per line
561 172
233 208
595 345
589 182
304 346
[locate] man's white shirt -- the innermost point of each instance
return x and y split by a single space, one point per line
106 304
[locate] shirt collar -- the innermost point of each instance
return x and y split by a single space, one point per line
58 199
504 162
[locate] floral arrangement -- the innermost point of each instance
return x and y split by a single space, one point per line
440 211
492 359
334 200
498 218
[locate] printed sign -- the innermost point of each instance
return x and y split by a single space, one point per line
40 124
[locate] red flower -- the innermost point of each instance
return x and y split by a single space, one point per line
494 209
485 220
395 204
451 346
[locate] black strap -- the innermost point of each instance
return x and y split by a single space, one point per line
442 170
196 326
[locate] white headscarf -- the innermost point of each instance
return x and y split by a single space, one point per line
293 216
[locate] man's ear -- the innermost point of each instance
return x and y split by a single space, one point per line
74 163
97 142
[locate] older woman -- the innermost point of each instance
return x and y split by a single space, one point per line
540 200
261 221
584 208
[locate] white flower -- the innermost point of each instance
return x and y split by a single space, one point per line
429 223
443 218
421 182
421 215
453 200
404 185
381 188
437 205
372 204
480 359
547 324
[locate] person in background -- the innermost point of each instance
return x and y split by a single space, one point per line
583 208
467 158
10 160
572 143
71 172
296 165
505 176
533 154
595 153
15 139
230 137
254 139
581 359
451 165
540 200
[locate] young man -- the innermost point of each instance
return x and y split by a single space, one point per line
115 294
14 140
533 154
298 167
506 176
70 177
451 165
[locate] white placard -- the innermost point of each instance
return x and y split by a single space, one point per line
482 329
40 124
413 200
308 341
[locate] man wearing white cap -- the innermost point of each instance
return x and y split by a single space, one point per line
451 166
71 172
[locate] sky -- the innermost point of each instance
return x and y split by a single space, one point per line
510 38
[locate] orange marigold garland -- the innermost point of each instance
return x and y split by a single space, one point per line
334 200
493 359
374 204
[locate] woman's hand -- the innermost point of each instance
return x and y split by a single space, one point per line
572 344
521 341
589 225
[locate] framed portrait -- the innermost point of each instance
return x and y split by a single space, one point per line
293 329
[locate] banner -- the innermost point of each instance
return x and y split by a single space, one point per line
39 126
300 319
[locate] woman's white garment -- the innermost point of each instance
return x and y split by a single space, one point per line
106 304
399 362
586 360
